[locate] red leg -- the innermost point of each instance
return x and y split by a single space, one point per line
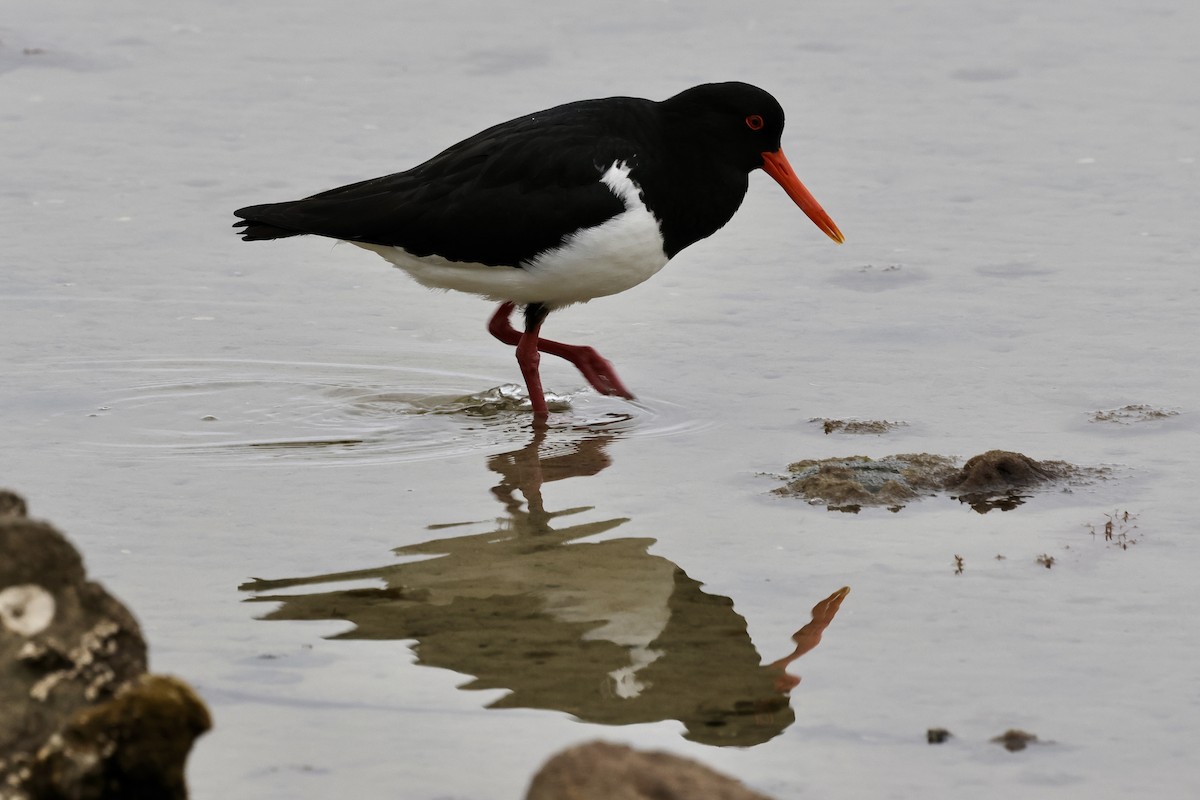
594 367
528 359
501 328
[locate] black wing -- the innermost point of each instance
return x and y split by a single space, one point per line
500 197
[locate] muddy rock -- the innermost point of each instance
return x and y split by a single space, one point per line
846 484
1000 479
603 771
987 481
135 745
11 505
1001 471
73 688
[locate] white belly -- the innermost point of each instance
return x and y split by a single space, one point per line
593 262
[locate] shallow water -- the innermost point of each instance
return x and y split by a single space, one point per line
283 456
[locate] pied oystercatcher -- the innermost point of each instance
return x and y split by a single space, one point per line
560 206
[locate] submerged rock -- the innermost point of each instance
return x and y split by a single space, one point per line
603 771
1014 740
81 719
986 481
857 426
937 735
1133 414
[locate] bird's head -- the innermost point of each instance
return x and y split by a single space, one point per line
747 124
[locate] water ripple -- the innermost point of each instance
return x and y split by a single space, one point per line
328 413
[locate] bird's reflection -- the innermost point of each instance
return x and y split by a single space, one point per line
603 630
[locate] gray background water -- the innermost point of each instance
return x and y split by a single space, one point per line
1017 183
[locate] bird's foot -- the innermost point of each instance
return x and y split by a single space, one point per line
598 371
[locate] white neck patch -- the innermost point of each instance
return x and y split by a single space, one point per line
611 257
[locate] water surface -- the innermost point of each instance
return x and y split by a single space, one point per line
284 458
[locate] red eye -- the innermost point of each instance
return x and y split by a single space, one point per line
754 122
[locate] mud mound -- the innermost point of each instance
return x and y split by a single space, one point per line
991 480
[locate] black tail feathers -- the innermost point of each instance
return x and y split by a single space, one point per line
252 231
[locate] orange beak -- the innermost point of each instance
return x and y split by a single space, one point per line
776 165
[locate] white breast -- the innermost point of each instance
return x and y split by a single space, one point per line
609 258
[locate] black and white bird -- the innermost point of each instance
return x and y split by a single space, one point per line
560 206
